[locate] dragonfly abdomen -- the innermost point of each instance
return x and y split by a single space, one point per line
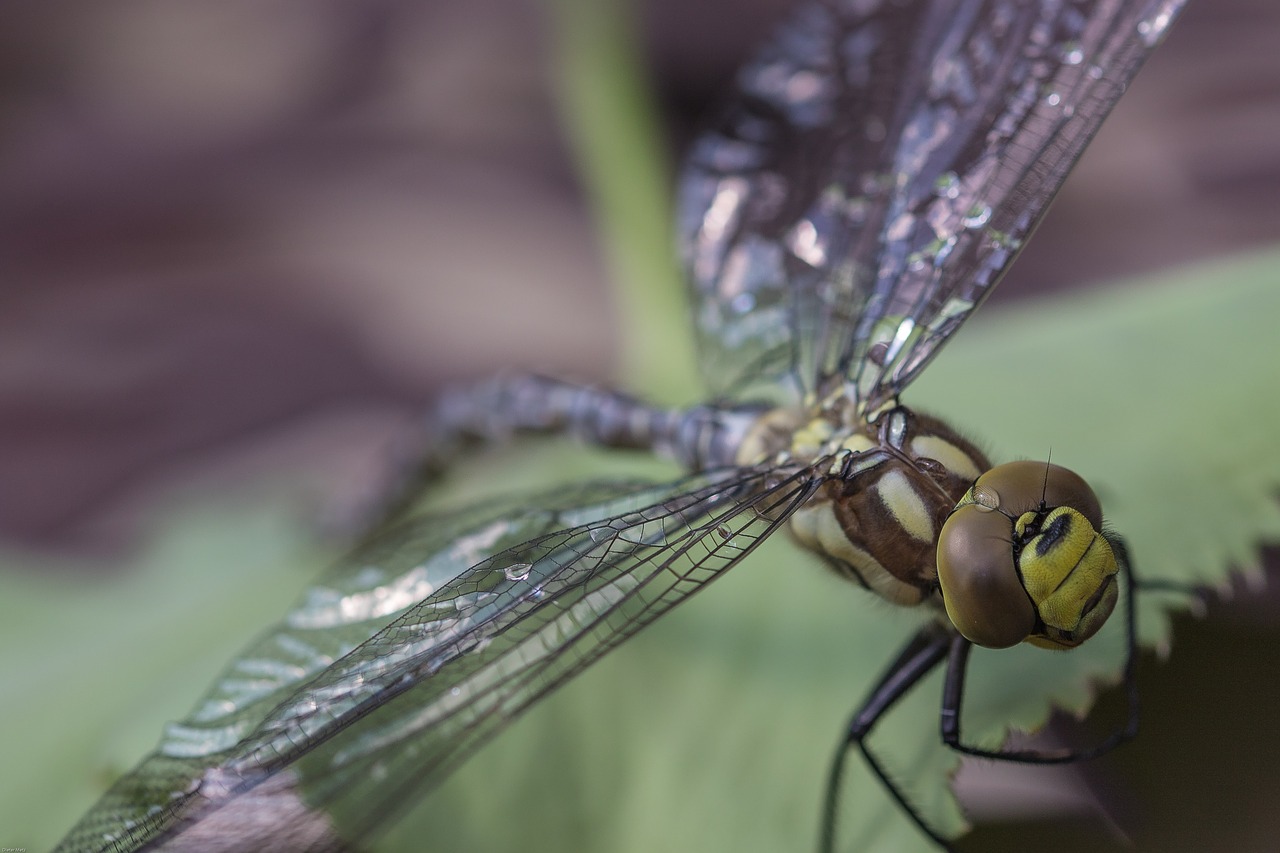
699 437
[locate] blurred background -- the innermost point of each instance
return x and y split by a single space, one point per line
242 241
238 235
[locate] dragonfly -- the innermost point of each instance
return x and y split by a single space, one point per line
875 172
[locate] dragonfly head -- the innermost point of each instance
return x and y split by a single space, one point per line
1023 557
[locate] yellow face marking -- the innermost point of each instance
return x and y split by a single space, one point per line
952 458
1067 568
904 503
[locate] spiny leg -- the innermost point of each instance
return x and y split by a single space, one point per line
953 695
957 661
928 648
917 659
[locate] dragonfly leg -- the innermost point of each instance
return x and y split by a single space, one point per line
953 691
916 660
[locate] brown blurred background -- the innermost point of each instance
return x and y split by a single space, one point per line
238 236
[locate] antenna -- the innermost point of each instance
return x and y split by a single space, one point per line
1044 487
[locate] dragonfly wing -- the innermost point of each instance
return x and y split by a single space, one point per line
431 638
879 170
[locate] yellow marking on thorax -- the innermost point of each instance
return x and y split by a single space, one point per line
808 441
858 443
904 503
816 528
952 458
772 433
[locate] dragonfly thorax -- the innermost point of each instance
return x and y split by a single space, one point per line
877 520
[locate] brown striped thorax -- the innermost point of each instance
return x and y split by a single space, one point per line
914 512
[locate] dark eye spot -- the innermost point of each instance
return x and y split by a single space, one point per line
1053 534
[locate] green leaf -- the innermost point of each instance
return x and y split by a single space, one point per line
713 729
94 664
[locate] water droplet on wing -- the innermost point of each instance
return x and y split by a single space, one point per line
517 571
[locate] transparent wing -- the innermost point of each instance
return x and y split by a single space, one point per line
880 168
430 639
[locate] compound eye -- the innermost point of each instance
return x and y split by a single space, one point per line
980 585
1020 487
